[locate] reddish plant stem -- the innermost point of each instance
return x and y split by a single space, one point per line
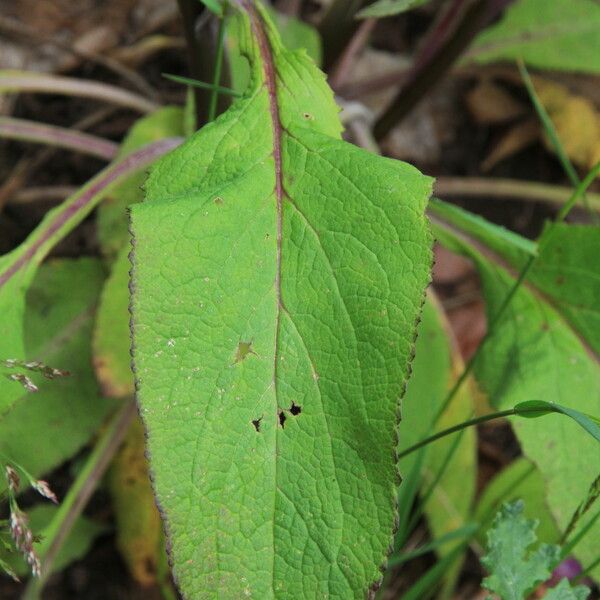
426 75
429 46
65 217
439 33
343 66
30 131
22 81
337 28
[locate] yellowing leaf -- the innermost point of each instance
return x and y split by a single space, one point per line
111 343
138 522
576 120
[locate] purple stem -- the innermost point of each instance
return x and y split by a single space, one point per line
70 213
23 81
30 131
437 35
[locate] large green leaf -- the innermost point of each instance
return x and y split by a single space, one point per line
561 34
46 428
433 371
278 276
536 354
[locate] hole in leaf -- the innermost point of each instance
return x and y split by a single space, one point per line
295 409
243 349
218 200
256 423
282 418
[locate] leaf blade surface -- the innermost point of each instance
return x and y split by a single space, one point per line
278 276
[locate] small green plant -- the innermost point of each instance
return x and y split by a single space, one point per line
515 569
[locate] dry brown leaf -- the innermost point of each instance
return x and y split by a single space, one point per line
575 117
490 103
517 138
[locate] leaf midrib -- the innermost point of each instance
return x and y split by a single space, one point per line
270 82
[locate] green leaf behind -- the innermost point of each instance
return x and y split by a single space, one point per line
111 339
561 34
536 354
46 428
566 270
520 480
434 368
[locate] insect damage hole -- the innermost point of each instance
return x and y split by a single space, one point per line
282 418
256 423
295 409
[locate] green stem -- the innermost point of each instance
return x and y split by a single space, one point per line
434 483
470 423
214 96
467 531
551 132
522 409
202 85
579 191
79 494
581 188
493 322
570 546
512 189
